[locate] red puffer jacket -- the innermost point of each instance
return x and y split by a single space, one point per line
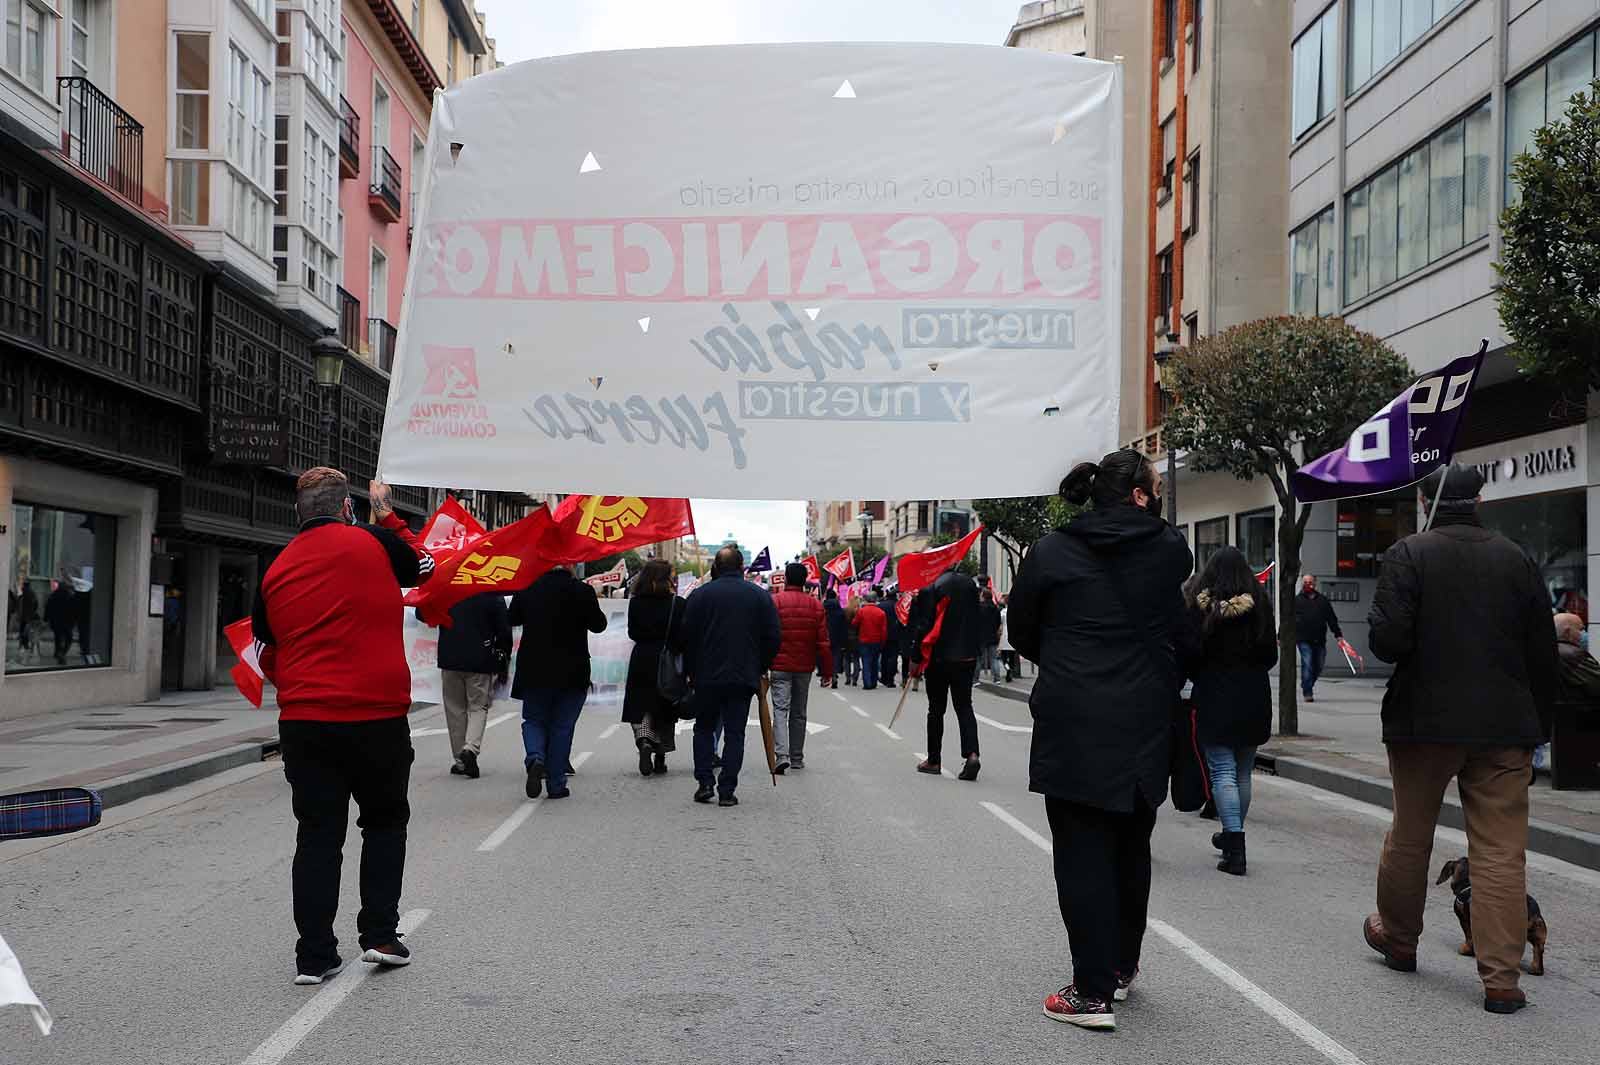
872 623
805 644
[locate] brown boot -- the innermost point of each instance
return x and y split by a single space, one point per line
1395 957
1506 1001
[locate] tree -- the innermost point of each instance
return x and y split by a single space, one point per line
1017 524
1550 257
1264 397
968 565
602 565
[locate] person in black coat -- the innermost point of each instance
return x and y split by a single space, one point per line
1228 643
474 652
892 643
1313 617
556 612
652 613
951 603
1097 604
838 632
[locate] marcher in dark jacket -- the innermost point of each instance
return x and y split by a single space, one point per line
474 651
951 604
1580 673
838 633
1313 617
1465 617
1228 643
1096 605
893 643
652 613
61 614
730 637
989 635
805 649
556 612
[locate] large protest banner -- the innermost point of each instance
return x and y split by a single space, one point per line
734 271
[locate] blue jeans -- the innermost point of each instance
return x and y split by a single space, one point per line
870 665
1312 655
549 718
728 708
1230 769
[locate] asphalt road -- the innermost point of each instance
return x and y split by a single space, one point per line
858 912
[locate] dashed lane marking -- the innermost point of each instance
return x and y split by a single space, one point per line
1001 725
523 811
921 757
418 733
611 730
886 730
859 711
1297 1025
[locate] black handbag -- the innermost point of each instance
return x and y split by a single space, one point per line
671 684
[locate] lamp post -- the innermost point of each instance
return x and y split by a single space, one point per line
328 355
865 518
1166 348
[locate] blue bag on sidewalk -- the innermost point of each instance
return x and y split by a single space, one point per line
48 813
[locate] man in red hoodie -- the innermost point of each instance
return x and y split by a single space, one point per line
872 628
331 619
804 649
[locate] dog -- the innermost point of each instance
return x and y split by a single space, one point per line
1461 884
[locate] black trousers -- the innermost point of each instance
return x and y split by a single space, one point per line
328 764
1102 862
950 681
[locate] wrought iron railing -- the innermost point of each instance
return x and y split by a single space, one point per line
349 139
102 138
349 320
385 180
380 341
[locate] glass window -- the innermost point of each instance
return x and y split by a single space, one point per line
1327 279
191 192
1415 17
1360 44
1550 529
1209 537
1384 218
29 25
1381 29
280 166
1191 194
1164 285
193 90
1567 74
1311 283
1369 527
1446 163
1475 177
1413 225
60 600
1355 244
1313 67
1169 152
1194 45
1169 28
1524 114
1541 96
1256 538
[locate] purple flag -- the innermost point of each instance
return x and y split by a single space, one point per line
1413 435
763 562
879 570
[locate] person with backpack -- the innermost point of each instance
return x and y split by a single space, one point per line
1097 604
1228 643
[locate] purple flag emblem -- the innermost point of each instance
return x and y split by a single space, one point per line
763 562
881 568
1413 435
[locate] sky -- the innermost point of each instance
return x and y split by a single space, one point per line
528 29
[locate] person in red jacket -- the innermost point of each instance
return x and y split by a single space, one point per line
331 619
872 628
804 649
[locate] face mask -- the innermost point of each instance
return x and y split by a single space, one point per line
1152 504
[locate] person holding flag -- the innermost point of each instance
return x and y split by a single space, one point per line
1313 617
945 625
763 562
556 612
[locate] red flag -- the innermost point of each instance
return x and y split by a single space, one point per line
902 608
450 529
506 560
843 567
931 638
919 570
591 527
247 673
813 569
1266 574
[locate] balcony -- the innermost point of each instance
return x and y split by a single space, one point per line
349 321
349 141
384 192
102 138
380 343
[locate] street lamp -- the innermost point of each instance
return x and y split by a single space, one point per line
865 518
328 354
1166 348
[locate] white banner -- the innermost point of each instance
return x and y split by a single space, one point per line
615 577
422 654
745 271
609 652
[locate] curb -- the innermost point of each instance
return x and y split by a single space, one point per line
1556 841
1004 691
146 782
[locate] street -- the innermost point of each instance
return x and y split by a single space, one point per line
858 912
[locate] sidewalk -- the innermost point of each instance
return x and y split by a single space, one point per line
1341 750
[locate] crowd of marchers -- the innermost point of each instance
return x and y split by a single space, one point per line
1109 609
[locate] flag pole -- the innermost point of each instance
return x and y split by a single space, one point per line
1483 349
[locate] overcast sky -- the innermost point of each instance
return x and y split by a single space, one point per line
528 29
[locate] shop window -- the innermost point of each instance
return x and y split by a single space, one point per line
60 600
1257 538
1209 538
1369 527
1550 529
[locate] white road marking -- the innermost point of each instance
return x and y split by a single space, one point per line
417 733
502 718
1001 725
859 711
281 1044
611 730
1297 1025
886 730
521 813
920 756
1454 836
839 697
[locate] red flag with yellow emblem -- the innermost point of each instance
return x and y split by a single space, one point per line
591 527
505 561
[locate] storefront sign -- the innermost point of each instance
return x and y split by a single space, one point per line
251 440
1532 465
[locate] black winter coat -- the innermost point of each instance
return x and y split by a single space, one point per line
478 639
990 632
1313 617
730 634
1465 618
648 616
960 635
1102 704
557 612
838 624
1232 695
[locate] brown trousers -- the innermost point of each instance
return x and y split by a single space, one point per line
1493 785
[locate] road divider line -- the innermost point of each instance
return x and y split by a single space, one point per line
942 770
523 811
859 711
499 719
1253 993
1002 726
886 730
281 1044
611 730
418 732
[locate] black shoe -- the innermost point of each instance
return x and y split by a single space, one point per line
646 767
970 770
781 768
535 779
469 764
315 974
571 772
834 686
457 769
728 800
1216 840
389 955
562 794
716 761
1233 861
705 793
660 765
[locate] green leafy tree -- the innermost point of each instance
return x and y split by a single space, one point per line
1550 256
1262 398
1019 523
969 565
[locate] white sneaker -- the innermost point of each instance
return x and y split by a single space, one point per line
390 954
307 979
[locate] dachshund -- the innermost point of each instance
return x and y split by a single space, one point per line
1461 884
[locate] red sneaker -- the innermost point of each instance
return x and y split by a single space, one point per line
1073 1008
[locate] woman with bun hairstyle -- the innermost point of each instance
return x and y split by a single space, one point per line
1098 605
